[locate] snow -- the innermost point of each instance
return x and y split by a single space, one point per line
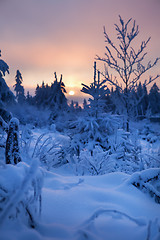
88 207
109 206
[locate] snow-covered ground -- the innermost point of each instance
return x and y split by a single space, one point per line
103 207
89 207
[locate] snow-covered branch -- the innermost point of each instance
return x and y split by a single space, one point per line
147 181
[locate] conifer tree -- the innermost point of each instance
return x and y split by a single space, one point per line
154 99
97 90
18 88
85 105
142 99
6 96
92 129
29 98
57 98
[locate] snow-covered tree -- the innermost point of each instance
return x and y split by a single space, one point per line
97 90
154 99
87 132
92 128
118 101
18 88
142 98
3 66
52 97
126 61
6 96
12 152
57 98
29 98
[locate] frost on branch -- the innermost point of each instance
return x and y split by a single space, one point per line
147 181
12 152
126 62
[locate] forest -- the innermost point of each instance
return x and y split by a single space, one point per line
101 158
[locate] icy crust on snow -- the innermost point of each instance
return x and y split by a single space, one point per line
89 207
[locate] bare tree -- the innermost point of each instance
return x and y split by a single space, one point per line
127 62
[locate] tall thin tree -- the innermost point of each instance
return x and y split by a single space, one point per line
18 88
97 90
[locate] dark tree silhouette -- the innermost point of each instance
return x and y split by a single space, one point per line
18 88
154 99
6 96
127 62
97 90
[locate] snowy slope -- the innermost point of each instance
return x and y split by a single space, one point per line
90 207
103 207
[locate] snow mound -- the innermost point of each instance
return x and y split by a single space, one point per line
90 207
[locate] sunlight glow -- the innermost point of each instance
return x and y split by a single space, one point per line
71 92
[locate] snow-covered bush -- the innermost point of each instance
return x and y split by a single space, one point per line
151 161
47 151
87 132
98 163
50 148
126 151
147 181
148 134
123 155
20 193
12 152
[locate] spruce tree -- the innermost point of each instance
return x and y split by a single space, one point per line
142 99
6 96
97 90
57 98
18 88
154 99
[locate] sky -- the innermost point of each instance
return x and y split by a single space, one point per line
40 37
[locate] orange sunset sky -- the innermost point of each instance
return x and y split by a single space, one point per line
39 37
